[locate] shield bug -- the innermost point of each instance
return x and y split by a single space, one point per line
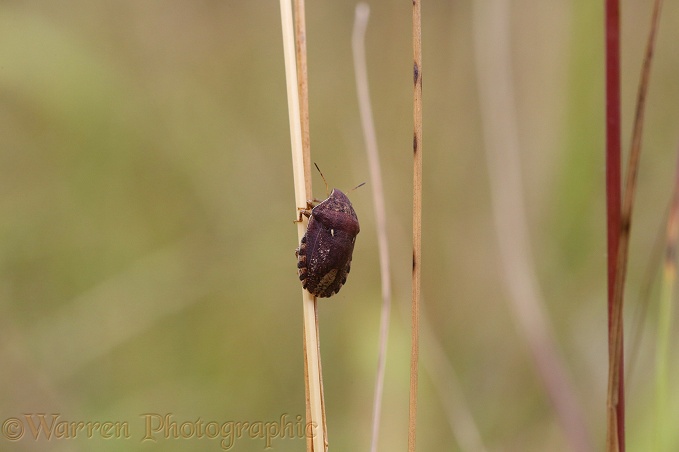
325 251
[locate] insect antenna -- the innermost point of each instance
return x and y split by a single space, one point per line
327 190
358 186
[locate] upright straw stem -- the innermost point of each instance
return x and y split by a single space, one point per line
315 415
417 219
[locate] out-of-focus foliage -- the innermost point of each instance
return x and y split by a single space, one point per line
146 205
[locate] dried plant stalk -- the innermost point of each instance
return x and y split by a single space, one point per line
302 187
614 410
417 219
303 86
615 439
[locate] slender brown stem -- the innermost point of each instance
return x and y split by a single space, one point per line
613 204
417 219
616 389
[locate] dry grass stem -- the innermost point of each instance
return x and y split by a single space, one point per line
302 186
615 411
616 336
417 219
303 87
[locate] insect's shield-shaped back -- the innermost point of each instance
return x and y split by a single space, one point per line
325 252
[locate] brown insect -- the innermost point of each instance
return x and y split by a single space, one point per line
325 252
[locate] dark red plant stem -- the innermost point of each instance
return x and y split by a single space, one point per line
613 175
613 181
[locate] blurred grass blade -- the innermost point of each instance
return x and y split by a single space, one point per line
643 301
492 39
663 426
362 87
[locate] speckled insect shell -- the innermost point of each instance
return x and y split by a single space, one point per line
324 254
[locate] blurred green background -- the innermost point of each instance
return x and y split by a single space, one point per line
147 245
